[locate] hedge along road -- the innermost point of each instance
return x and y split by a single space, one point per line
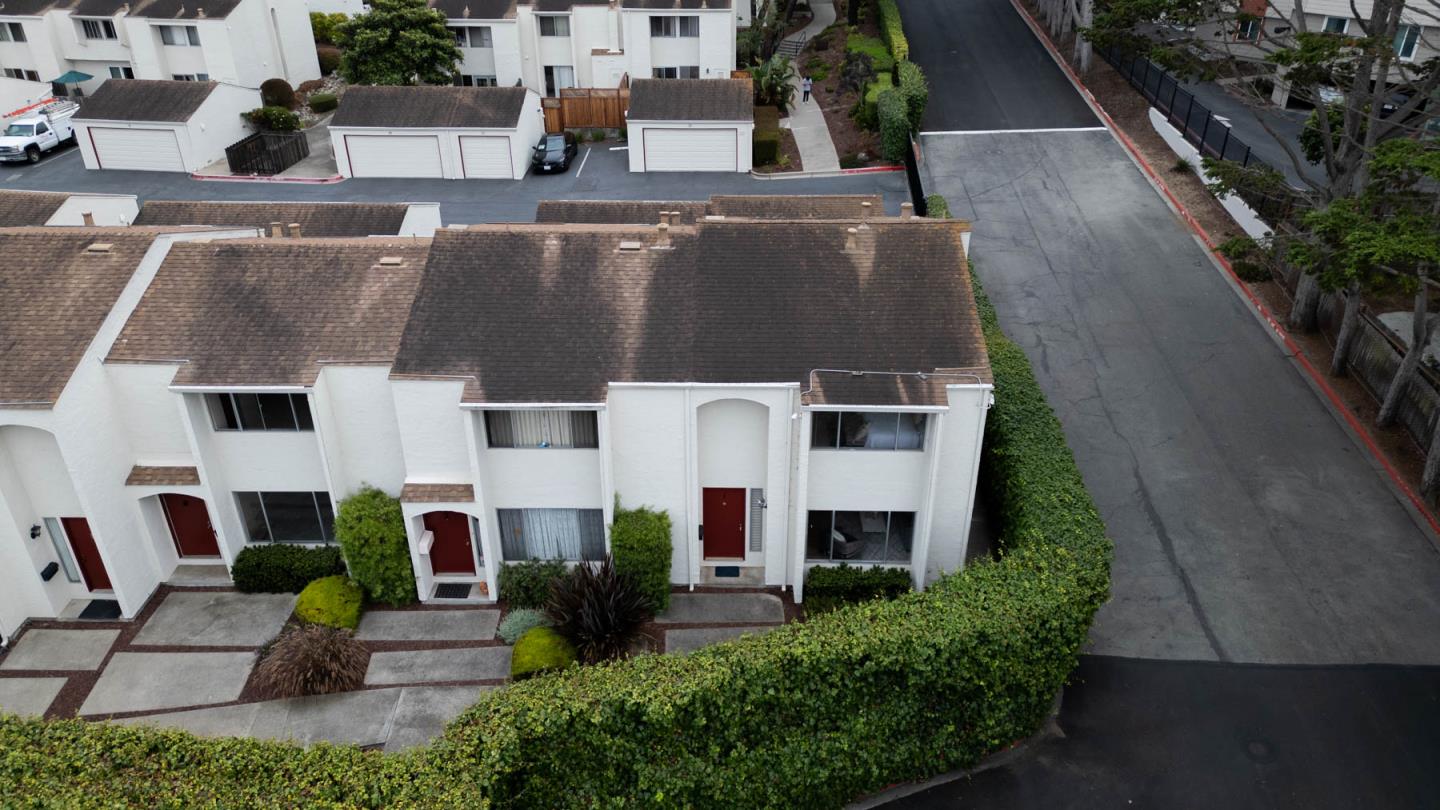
1248 525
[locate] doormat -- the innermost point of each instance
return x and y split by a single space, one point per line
452 590
101 610
727 570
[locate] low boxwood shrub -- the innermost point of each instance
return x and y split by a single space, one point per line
914 89
540 649
371 529
279 568
516 622
323 102
277 93
937 207
891 29
333 601
329 58
829 587
274 119
640 542
894 125
527 584
880 56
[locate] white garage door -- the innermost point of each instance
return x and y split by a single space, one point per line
486 156
147 150
690 150
394 155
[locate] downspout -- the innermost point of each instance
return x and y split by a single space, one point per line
692 526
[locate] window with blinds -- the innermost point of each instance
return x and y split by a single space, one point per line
542 429
551 534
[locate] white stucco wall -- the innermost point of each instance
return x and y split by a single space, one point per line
432 430
217 124
953 489
362 432
150 413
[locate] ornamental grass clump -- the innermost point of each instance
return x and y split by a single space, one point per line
599 609
312 659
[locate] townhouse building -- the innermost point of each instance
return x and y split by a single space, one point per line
242 42
794 392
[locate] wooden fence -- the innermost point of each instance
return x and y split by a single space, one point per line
586 107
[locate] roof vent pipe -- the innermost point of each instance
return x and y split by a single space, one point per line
87 217
277 230
294 230
907 210
850 239
865 209
664 217
664 240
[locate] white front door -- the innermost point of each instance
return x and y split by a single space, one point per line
394 155
146 150
691 150
486 156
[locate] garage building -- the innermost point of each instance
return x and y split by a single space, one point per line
437 131
161 126
691 125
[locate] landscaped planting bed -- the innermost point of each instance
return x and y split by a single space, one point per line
808 715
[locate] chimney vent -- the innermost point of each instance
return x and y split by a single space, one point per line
664 240
98 247
850 238
391 261
865 209
664 217
87 217
277 230
294 230
907 210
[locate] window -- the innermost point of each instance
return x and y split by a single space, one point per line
1248 30
259 411
12 32
553 26
476 81
542 428
62 549
121 72
179 35
859 536
191 77
98 29
17 73
42 128
552 534
1337 25
287 517
473 36
674 26
682 72
1405 39
557 78
867 430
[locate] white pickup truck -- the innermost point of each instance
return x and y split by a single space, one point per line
41 130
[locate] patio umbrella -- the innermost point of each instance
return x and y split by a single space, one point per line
70 77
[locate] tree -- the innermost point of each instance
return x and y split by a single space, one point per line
398 42
773 82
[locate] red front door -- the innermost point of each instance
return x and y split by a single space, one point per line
87 554
723 517
451 552
190 526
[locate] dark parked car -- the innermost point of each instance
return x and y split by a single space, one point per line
554 152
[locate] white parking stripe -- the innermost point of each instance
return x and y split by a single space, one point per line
582 162
1001 131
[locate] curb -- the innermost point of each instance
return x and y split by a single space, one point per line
826 173
1316 379
256 178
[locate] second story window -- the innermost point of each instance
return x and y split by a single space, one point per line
1406 38
259 411
121 72
553 26
568 429
1337 25
473 36
12 32
180 35
674 26
98 29
867 430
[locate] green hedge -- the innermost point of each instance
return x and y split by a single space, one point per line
866 112
915 90
765 141
892 31
640 544
335 601
527 584
280 568
323 102
371 529
831 587
880 57
894 125
937 207
810 714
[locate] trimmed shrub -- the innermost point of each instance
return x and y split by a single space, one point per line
312 659
371 529
277 93
915 90
540 649
866 112
527 584
332 601
765 142
274 119
517 622
279 568
324 27
640 541
323 102
894 125
891 30
329 58
599 609
937 207
827 587
880 58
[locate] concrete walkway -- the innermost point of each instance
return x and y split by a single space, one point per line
727 608
806 121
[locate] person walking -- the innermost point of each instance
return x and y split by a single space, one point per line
805 90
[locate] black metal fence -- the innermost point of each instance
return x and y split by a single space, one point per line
917 189
267 153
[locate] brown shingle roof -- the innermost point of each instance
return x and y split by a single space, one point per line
552 314
55 294
475 9
157 9
19 208
647 212
145 100
162 476
691 100
437 493
615 212
686 5
430 106
315 219
273 311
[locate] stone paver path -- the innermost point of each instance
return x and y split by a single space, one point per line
713 608
135 682
429 625
28 696
433 666
60 649
217 619
685 640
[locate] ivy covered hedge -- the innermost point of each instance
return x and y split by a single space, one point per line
808 715
892 31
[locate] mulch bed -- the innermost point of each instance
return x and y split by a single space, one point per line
789 156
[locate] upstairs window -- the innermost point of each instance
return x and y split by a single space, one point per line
473 36
260 411
682 72
98 29
867 430
542 429
180 35
665 26
475 80
121 72
1406 38
12 32
554 26
1337 25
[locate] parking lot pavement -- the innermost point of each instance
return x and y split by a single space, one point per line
602 175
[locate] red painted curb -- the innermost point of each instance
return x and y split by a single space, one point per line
1350 417
255 178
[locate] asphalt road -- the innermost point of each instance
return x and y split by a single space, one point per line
1156 734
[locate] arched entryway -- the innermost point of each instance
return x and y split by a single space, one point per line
732 442
188 520
38 492
452 549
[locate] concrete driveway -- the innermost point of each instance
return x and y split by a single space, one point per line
1249 526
